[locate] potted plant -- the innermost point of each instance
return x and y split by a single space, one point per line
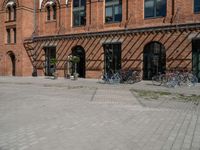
74 60
53 62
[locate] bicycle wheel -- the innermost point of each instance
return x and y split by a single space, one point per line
156 80
171 84
130 80
192 80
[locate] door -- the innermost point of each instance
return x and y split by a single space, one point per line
112 58
154 60
50 53
12 62
79 52
196 58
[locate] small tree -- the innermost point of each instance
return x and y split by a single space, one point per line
74 60
53 62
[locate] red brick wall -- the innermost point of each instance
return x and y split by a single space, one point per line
134 19
24 28
177 45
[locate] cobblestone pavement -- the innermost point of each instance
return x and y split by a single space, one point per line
44 114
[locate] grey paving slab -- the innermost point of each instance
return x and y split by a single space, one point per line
44 114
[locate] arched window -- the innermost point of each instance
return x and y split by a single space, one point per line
14 12
54 11
113 11
51 9
12 66
154 60
196 6
79 12
48 13
8 36
11 11
155 8
15 35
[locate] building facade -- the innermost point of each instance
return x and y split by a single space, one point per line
16 23
150 36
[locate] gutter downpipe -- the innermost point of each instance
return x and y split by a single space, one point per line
34 73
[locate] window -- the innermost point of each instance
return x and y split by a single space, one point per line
51 9
9 13
113 11
155 8
54 12
8 36
14 12
48 13
15 35
196 6
79 12
112 58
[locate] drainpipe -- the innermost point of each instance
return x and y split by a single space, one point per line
127 10
34 73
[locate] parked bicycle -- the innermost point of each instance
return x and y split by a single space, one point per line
130 76
122 76
110 78
174 79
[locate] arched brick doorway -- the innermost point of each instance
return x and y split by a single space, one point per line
154 60
196 57
80 52
12 63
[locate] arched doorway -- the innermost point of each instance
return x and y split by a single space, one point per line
50 53
196 57
154 60
112 57
13 62
80 52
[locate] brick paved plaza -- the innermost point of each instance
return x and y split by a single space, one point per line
45 114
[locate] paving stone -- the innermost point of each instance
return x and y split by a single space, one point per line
44 114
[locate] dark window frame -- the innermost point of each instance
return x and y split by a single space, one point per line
112 57
14 12
8 31
15 35
54 8
155 9
196 7
80 12
113 4
48 9
9 11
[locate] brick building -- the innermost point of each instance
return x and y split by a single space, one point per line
107 35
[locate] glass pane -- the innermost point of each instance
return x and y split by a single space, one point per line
8 35
108 1
54 12
196 58
196 5
154 60
116 57
118 13
15 35
109 14
48 13
76 18
161 8
83 18
83 2
75 3
149 8
14 9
